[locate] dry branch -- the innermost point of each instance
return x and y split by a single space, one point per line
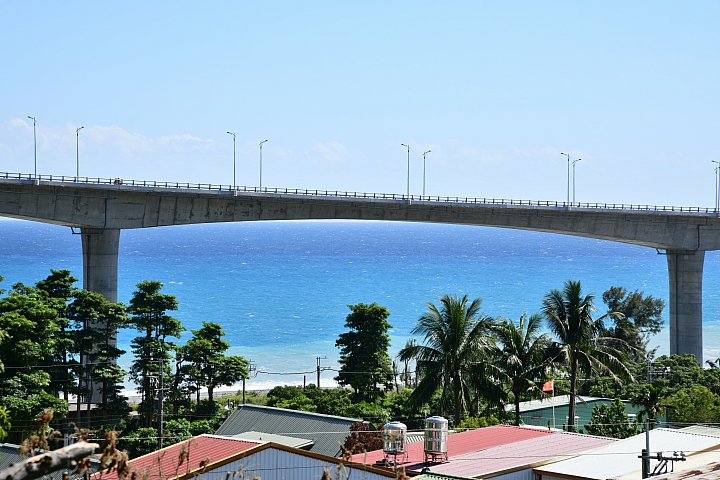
48 462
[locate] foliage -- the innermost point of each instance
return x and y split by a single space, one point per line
59 289
611 421
361 440
140 442
331 401
641 317
696 404
650 399
290 397
210 367
101 320
149 308
470 423
27 322
4 422
364 360
520 361
569 317
455 344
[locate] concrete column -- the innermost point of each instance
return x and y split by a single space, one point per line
685 269
100 272
100 261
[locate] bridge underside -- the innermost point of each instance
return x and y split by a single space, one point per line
102 212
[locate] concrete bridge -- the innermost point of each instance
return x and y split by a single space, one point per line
101 208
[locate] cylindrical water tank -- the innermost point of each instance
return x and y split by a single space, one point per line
394 438
436 435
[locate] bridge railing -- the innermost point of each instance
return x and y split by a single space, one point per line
119 183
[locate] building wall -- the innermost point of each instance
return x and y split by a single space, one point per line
526 474
584 410
274 464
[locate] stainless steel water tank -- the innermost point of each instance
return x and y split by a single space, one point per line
436 436
394 438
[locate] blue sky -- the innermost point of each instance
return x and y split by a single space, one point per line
495 89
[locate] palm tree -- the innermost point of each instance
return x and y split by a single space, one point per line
521 357
455 340
653 404
569 318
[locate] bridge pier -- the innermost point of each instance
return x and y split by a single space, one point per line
685 271
100 261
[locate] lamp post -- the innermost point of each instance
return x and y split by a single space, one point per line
77 153
408 173
568 176
34 142
233 135
574 162
425 153
717 187
261 144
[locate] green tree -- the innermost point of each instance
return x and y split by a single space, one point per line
696 404
101 320
455 340
520 359
611 421
650 399
288 396
364 361
27 320
59 288
212 368
149 316
569 318
641 317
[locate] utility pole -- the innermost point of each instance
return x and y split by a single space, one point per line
161 374
568 177
77 153
717 187
34 143
251 368
574 162
408 169
424 170
319 369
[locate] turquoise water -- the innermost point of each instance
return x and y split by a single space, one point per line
281 289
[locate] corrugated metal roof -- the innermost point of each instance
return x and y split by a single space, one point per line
695 467
620 458
549 402
302 443
328 432
461 443
165 463
493 461
702 430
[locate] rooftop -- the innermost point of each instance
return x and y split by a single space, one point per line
166 463
326 431
461 443
620 459
556 401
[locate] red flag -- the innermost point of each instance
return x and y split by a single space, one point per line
548 386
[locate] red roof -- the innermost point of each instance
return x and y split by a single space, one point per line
525 453
205 448
461 443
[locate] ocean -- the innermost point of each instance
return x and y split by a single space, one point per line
281 289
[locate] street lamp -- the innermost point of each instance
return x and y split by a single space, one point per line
34 142
568 181
77 153
717 187
574 162
408 175
425 153
233 135
261 144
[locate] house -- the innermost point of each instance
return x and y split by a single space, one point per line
212 457
619 460
503 452
326 432
553 411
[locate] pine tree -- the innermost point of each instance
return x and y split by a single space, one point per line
365 363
